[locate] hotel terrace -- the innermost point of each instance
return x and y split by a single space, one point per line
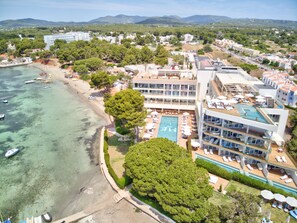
241 130
239 124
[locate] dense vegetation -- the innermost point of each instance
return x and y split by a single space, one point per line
164 171
292 144
127 107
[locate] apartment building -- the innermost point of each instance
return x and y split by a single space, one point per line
286 89
68 37
242 130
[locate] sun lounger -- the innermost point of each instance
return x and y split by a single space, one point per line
278 159
286 208
284 177
288 181
211 152
259 165
284 159
225 159
213 179
229 158
206 152
280 206
249 167
237 159
274 204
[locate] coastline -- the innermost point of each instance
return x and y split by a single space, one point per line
79 88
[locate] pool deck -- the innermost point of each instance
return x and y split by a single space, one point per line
273 175
180 140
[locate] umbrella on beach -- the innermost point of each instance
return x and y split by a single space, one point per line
239 96
222 97
279 198
267 194
291 201
249 95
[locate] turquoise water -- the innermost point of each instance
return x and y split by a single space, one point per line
226 167
54 129
250 112
168 128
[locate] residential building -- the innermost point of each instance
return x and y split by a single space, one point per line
286 89
243 131
188 38
68 37
230 44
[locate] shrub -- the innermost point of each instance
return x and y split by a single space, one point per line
121 182
214 169
120 129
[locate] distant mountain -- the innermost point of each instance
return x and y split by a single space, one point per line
205 19
165 20
168 20
29 22
118 19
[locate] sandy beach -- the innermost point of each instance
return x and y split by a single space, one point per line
93 189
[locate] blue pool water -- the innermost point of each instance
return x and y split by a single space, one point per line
264 180
226 167
250 112
168 128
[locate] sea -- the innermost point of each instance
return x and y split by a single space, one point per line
55 132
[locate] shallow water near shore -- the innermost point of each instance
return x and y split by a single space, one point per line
54 130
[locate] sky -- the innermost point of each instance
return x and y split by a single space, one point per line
79 11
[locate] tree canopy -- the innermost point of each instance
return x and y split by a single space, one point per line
164 171
101 80
128 107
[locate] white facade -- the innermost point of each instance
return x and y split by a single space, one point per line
188 37
68 37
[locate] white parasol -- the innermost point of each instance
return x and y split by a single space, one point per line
222 97
186 113
260 100
195 144
280 198
267 194
149 110
187 133
250 95
233 101
146 136
149 126
259 96
155 113
291 201
239 96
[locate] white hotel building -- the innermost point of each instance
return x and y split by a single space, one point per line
68 37
239 133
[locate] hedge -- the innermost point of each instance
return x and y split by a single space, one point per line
121 182
221 172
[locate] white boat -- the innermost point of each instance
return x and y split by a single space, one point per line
30 82
2 116
11 152
5 101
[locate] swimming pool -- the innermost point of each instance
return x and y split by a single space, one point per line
168 128
250 112
226 167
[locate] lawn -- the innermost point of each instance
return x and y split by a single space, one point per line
277 215
117 151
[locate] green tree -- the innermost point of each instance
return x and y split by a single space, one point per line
81 69
3 46
295 69
146 55
161 55
128 107
163 170
101 80
207 48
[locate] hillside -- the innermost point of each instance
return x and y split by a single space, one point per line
119 19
